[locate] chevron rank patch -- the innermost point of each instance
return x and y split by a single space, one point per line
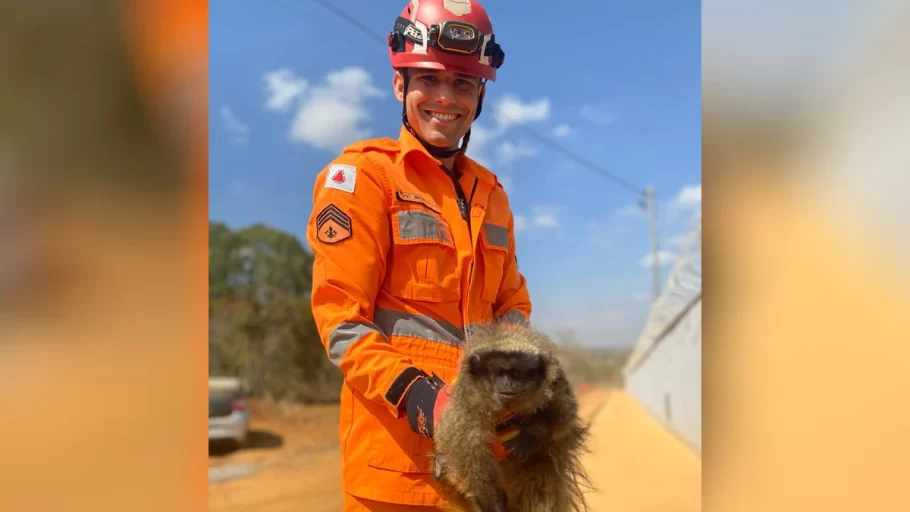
333 225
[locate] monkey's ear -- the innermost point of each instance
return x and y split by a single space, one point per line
475 365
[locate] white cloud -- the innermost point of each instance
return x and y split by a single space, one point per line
545 220
510 110
330 115
689 196
561 130
620 222
676 241
630 210
507 111
688 199
597 115
507 182
545 217
542 217
238 131
509 152
521 223
480 136
479 143
283 87
663 258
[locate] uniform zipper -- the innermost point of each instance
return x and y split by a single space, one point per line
464 206
471 271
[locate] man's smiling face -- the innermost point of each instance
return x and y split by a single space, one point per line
440 104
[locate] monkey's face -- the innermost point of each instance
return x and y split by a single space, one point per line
510 377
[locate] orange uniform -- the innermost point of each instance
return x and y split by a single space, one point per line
399 276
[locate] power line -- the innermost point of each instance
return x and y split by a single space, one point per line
352 20
582 160
552 145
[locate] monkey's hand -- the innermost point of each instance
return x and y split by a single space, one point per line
520 438
507 433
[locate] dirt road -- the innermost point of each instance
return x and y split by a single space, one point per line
293 462
637 465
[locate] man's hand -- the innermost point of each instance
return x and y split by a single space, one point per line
427 398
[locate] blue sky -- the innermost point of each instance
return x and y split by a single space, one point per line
616 82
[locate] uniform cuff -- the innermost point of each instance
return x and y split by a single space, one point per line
421 404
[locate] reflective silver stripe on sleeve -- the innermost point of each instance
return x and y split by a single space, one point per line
397 323
392 323
415 224
345 335
497 235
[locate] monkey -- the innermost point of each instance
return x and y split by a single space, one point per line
511 369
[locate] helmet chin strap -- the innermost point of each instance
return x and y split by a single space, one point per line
436 151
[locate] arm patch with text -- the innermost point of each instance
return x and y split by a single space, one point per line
333 225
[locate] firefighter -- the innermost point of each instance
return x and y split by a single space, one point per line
413 244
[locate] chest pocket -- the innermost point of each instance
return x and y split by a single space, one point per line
423 263
494 241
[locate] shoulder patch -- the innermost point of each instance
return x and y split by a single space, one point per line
341 176
333 225
417 198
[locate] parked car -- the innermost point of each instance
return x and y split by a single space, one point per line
229 417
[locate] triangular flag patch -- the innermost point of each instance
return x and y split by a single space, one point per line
341 177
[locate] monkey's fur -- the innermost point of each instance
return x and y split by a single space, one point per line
514 369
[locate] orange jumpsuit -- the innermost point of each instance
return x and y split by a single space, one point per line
399 276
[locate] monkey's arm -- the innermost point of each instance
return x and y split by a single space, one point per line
555 460
468 462
550 424
513 303
564 409
350 237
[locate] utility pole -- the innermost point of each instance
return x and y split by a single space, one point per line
655 243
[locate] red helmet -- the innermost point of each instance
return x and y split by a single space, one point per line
455 35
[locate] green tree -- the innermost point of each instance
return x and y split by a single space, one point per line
261 322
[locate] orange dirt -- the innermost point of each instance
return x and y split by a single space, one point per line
636 465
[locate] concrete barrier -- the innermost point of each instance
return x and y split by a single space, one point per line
667 382
664 371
